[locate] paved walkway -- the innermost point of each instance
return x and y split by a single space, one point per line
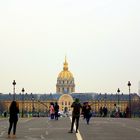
98 129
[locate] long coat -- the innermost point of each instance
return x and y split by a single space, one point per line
14 114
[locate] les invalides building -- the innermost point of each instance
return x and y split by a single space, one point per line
32 103
65 81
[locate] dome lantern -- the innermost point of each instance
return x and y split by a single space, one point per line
65 68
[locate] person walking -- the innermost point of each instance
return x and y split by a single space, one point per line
14 110
105 111
87 112
75 114
56 110
101 111
52 111
116 109
83 110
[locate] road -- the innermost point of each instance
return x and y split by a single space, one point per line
98 129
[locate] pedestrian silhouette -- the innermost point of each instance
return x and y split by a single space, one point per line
5 114
83 110
75 114
52 110
87 112
101 111
56 110
116 111
14 110
105 111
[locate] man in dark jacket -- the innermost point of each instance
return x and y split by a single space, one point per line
75 114
56 110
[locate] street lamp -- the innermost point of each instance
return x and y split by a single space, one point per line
105 99
118 95
95 105
129 85
23 90
98 107
14 83
32 105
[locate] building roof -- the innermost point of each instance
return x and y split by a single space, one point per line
82 96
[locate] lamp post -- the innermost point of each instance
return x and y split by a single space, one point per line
95 105
129 85
32 105
98 107
23 90
118 96
14 83
105 99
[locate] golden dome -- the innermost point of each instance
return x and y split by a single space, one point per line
65 74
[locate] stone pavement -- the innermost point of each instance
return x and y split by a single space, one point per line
111 129
98 129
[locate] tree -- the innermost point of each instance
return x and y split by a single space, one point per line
1 108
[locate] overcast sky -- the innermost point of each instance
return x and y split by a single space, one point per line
101 39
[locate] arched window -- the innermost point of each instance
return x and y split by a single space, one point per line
65 102
62 103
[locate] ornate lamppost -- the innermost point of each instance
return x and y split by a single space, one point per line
129 85
23 90
14 83
118 96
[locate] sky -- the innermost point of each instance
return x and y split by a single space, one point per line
101 39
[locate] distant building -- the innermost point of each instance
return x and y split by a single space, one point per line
41 102
65 95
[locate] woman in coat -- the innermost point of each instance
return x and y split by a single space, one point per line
87 112
14 110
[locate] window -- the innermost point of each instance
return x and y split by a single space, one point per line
62 103
67 89
65 102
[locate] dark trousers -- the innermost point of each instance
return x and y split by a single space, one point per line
88 116
87 119
77 122
14 125
56 115
52 116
